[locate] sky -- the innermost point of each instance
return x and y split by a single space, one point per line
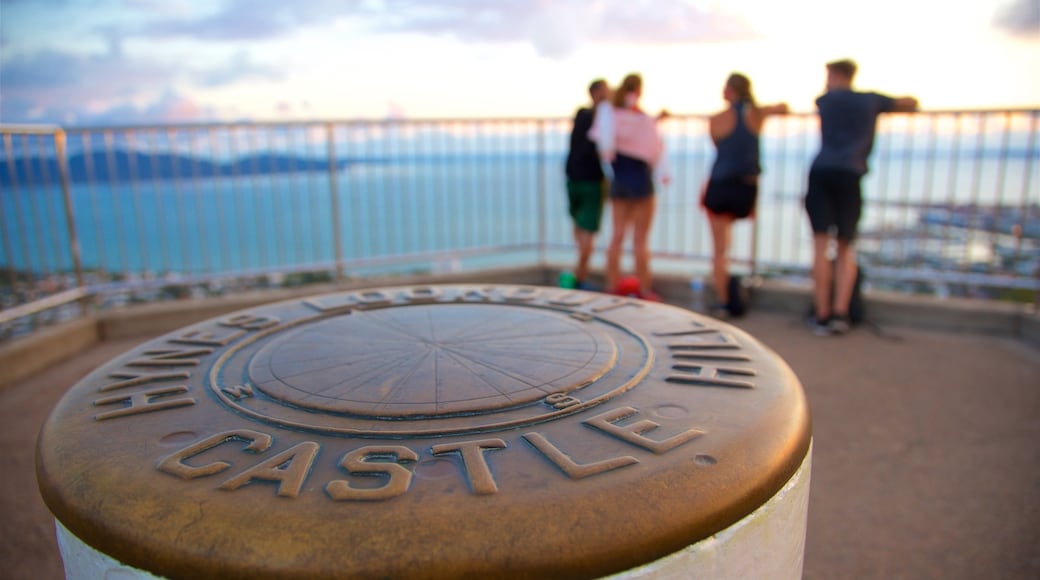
125 62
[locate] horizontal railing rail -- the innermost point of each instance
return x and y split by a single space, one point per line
141 213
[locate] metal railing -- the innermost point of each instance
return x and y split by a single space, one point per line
141 213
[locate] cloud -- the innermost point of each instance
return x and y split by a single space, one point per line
61 87
53 80
669 22
240 67
1020 18
248 20
170 107
555 28
43 70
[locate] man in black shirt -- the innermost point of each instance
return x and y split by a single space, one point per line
848 121
585 191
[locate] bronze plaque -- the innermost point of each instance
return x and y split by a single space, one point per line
424 432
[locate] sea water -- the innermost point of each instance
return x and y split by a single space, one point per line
416 205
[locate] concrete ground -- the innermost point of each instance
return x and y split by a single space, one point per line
926 465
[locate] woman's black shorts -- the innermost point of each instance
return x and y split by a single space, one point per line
733 196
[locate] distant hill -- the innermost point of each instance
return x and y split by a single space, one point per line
123 165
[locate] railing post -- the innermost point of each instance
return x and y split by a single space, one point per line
5 238
337 237
754 247
70 221
542 194
1026 187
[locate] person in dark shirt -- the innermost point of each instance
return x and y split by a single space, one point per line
585 186
834 200
732 189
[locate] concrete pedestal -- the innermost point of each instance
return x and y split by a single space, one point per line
768 543
431 432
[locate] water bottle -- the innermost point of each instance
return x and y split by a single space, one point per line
697 290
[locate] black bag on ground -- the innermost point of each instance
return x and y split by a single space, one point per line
739 297
857 311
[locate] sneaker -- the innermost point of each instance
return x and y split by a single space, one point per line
820 327
589 286
839 324
720 311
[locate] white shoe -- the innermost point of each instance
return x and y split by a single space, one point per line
820 328
839 325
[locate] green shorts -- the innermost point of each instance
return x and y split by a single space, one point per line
586 203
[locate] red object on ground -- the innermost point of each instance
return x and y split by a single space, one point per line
628 286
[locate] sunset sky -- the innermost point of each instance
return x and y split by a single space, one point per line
90 62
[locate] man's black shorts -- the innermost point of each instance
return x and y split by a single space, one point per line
834 200
734 196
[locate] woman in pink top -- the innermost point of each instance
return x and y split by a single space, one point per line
628 140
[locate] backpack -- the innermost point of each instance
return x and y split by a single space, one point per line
857 310
739 297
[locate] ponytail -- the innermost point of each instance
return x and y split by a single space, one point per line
741 85
632 83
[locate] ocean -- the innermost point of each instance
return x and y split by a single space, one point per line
501 196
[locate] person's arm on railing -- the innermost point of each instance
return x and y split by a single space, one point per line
905 105
770 110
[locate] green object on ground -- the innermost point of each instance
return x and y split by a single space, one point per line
567 280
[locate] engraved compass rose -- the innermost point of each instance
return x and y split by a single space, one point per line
428 361
418 369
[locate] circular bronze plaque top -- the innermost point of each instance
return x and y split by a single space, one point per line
424 432
431 361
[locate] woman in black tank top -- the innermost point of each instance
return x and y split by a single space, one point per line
732 189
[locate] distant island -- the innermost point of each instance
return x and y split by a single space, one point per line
121 166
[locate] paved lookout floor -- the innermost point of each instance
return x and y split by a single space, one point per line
926 465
